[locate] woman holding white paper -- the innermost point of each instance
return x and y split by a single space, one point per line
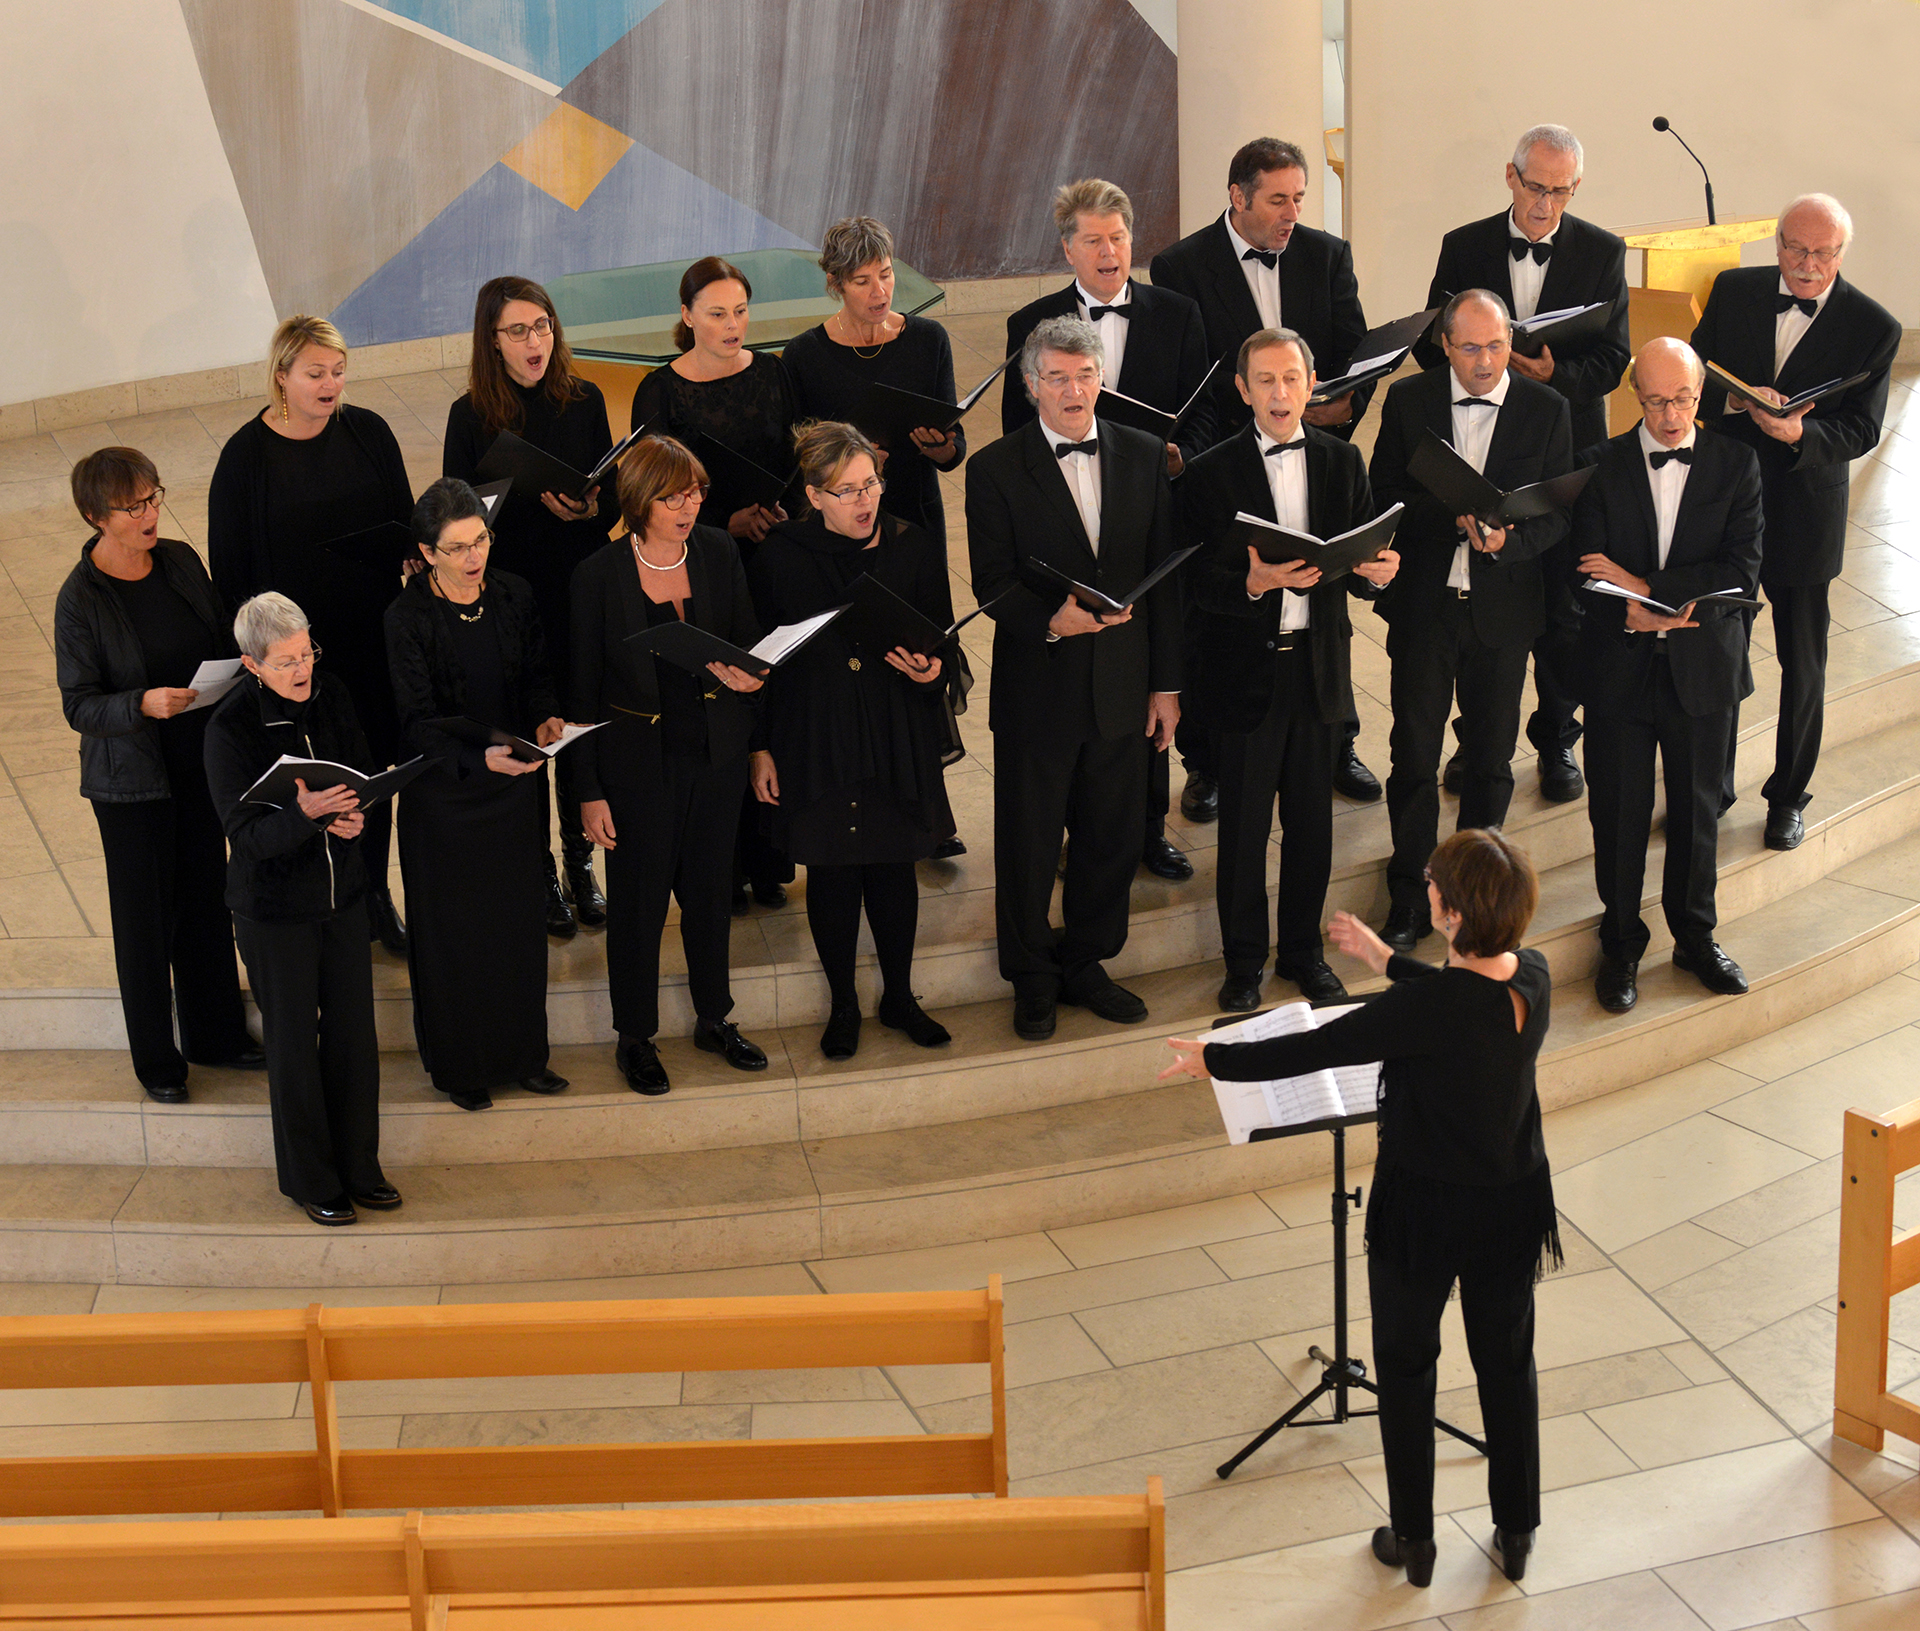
134 622
1462 1190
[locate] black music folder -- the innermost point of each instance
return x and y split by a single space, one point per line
1719 597
688 646
1464 491
1746 393
1335 556
877 616
1046 579
740 474
1382 351
383 547
465 728
276 786
890 415
1545 328
516 459
493 496
1129 410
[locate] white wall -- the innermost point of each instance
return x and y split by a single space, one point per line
1778 96
124 252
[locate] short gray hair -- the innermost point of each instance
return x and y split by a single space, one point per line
1558 138
265 621
1826 203
1466 297
1073 335
857 241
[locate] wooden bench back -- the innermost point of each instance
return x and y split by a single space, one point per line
325 1346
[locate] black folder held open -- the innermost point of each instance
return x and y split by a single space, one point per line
465 728
688 646
1462 490
740 475
1047 580
1130 410
277 788
1563 327
1336 556
876 616
1376 356
1781 410
538 471
890 415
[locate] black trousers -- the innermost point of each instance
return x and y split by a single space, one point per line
1621 743
1556 657
1288 758
314 985
890 891
1435 652
575 845
1800 621
672 840
1497 1308
1093 792
166 863
1200 753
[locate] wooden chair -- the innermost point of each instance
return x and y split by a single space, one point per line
1876 1264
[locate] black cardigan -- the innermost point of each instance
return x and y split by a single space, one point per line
102 672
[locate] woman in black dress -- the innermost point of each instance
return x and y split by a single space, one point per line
849 752
294 487
464 641
661 785
1462 1190
521 378
134 621
717 390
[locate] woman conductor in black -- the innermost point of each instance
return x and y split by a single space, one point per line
1462 1189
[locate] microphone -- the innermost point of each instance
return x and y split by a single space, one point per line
1660 123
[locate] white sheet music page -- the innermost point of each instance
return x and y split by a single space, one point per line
1321 1095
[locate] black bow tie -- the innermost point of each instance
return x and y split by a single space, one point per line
1541 251
1095 313
1062 449
1475 402
1269 258
1785 302
1668 455
1296 446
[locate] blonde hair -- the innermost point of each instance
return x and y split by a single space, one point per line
290 339
824 447
1089 196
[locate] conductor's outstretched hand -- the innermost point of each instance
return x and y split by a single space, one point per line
1357 940
1186 1060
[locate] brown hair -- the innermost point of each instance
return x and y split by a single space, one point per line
110 477
656 467
709 269
1089 196
1485 877
488 383
290 339
824 446
1260 157
857 241
1261 338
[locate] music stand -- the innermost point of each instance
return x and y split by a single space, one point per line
1340 1372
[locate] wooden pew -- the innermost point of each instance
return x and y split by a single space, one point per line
1091 1563
1876 1265
327 1346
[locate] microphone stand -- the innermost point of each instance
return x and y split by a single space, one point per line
1661 124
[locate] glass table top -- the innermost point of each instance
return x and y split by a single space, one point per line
627 313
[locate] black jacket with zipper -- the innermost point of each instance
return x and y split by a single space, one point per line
281 867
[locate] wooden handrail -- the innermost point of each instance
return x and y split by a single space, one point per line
1876 1265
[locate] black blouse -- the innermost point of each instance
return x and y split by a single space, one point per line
751 412
173 638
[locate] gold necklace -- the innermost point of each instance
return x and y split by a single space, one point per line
854 346
686 548
479 604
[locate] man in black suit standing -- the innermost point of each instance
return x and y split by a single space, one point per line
1538 258
1784 333
1670 516
1156 352
1257 267
1268 666
1466 604
1076 699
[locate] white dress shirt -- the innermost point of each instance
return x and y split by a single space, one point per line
1669 483
1262 281
1790 324
1287 481
1082 474
1472 437
1529 276
1112 330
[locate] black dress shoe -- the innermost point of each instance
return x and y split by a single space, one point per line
332 1213
1415 1556
1317 982
384 922
1712 967
1033 1015
480 1100
1560 778
1164 861
906 1014
248 1058
1616 983
1240 993
723 1037
948 849
380 1198
638 1060
1407 924
1785 829
1513 1550
583 889
1109 1001
1352 779
560 919
546 1082
770 894
1454 777
841 1038
167 1092
1200 798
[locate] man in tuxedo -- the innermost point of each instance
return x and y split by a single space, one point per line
1538 258
1258 267
1672 517
1466 604
1267 663
1076 699
1784 333
1156 352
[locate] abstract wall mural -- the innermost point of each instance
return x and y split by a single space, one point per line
393 154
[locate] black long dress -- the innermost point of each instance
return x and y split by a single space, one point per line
828 381
751 412
472 841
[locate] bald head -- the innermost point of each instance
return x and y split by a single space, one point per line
1812 239
1666 376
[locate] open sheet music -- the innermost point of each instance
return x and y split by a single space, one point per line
1292 1101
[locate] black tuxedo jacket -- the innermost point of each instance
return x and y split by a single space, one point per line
1530 443
1019 508
1806 485
1319 300
1588 264
614 680
1716 545
1231 669
1163 364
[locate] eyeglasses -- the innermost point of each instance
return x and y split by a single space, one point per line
1559 195
141 508
1809 257
1686 402
1087 379
518 332
872 487
1472 352
292 663
696 496
461 551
